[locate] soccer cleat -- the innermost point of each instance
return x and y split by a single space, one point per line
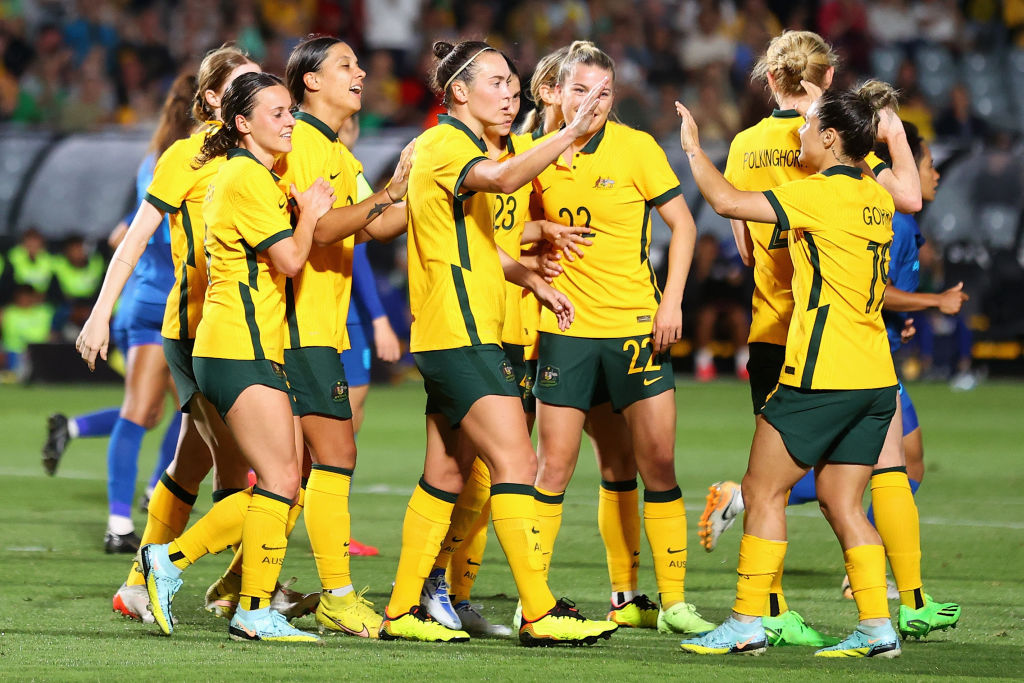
144 502
162 582
733 637
877 641
640 612
416 624
517 618
351 614
127 544
222 596
789 629
361 549
266 624
57 438
133 602
891 592
436 602
477 624
724 505
293 604
934 616
683 618
705 373
564 625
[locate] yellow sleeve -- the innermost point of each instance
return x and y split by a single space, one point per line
798 205
875 163
654 177
259 211
450 165
734 164
173 177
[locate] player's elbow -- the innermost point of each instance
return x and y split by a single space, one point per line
908 202
288 265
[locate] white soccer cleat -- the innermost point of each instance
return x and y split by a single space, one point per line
723 507
133 602
476 624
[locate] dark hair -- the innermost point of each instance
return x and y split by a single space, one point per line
914 139
176 119
854 115
214 70
239 100
455 59
309 55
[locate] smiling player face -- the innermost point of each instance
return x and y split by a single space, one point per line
270 123
341 79
573 91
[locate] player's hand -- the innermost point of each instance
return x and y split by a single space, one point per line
587 111
558 303
889 125
952 300
317 199
389 349
908 331
688 137
399 185
548 266
568 238
93 340
814 91
668 327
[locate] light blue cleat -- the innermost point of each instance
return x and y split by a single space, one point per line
733 637
436 602
866 641
163 580
266 624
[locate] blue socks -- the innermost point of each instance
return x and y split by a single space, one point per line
100 423
123 465
804 490
914 486
167 448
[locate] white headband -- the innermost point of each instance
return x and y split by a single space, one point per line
463 67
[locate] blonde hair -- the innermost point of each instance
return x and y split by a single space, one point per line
853 114
584 52
795 56
213 73
544 74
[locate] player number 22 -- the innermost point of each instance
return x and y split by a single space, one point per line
635 346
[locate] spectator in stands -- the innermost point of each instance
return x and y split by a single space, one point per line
844 23
914 106
30 263
27 320
716 115
958 123
79 274
719 285
93 27
890 22
392 25
708 42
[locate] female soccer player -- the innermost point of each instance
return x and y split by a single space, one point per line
240 342
609 180
837 390
177 190
457 299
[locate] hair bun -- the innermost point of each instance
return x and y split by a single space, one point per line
878 95
442 49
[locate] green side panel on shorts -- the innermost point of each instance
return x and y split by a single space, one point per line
815 296
289 307
467 312
250 320
813 346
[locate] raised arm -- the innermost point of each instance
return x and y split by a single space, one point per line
903 181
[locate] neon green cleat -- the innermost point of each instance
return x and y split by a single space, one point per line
934 616
789 629
640 612
564 625
683 618
349 614
416 624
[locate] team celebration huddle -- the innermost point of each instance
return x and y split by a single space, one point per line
535 313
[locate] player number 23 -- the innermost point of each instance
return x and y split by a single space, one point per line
634 346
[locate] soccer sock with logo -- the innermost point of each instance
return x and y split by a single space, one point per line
760 559
168 445
618 520
549 517
897 522
219 528
467 559
265 543
100 423
328 523
169 508
467 509
427 519
865 565
665 525
122 470
514 514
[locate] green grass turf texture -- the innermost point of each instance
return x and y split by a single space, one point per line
56 619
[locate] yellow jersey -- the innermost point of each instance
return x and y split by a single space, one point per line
840 232
179 190
761 157
456 283
610 187
244 312
511 212
318 297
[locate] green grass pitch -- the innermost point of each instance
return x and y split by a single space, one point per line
56 621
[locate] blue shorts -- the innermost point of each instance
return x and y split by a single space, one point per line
910 422
357 358
142 322
119 332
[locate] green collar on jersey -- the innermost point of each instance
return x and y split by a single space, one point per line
785 113
318 124
243 152
445 119
842 169
592 144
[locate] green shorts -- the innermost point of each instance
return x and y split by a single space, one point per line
842 425
525 374
581 372
456 378
222 380
178 353
764 366
318 382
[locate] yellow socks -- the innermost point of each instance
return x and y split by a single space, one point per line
897 523
760 560
466 560
665 525
514 513
548 505
265 543
467 509
169 508
213 532
865 565
426 522
328 523
776 600
618 520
